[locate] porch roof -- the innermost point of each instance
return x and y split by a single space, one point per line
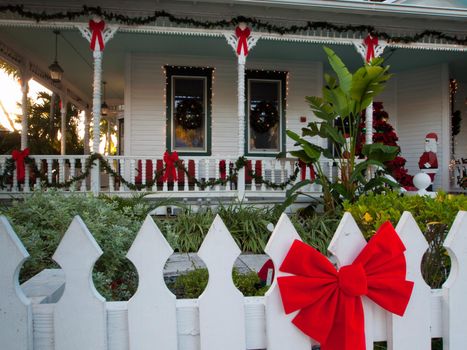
35 40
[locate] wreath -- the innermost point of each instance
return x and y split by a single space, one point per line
189 114
263 117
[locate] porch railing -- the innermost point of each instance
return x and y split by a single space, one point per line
259 177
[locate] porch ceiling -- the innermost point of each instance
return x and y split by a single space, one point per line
76 59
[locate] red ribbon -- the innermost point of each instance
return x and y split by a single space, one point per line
170 171
97 28
371 42
242 35
19 156
330 304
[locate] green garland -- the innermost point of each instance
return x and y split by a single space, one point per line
10 166
222 24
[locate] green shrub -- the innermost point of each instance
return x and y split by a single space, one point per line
41 220
434 216
247 224
191 284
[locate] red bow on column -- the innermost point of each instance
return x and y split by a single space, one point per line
242 35
331 310
97 28
170 171
19 156
370 42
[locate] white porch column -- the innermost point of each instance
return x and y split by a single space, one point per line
63 109
362 49
87 120
25 77
236 43
98 34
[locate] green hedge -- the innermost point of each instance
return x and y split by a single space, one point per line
434 216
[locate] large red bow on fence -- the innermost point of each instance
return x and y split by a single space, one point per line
242 35
170 171
18 157
370 42
330 304
97 28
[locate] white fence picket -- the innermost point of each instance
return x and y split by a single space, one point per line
152 310
221 306
346 244
281 333
454 289
15 308
413 330
80 315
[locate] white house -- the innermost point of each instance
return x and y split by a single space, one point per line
175 80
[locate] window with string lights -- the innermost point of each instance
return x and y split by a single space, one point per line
266 103
188 98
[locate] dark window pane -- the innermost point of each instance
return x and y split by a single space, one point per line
264 115
189 113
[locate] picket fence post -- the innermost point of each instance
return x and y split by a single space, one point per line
281 333
413 330
221 305
455 287
346 244
15 307
152 310
80 319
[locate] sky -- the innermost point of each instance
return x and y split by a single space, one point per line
11 96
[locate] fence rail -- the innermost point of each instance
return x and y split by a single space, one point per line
221 318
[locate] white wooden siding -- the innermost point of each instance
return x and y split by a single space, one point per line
421 103
145 112
461 138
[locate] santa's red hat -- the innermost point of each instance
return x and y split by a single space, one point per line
432 135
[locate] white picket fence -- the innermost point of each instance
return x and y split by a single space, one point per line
221 318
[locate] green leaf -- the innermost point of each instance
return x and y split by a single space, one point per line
333 133
345 77
361 167
380 152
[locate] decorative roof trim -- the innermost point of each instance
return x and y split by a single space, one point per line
317 37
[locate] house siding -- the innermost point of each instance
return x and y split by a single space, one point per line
421 109
145 116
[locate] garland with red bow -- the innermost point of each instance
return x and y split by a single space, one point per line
242 44
170 160
329 302
19 157
226 23
234 168
370 42
97 28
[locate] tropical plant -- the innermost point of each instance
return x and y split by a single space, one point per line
339 113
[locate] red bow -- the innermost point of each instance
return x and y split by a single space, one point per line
19 156
331 310
371 42
242 35
97 28
170 171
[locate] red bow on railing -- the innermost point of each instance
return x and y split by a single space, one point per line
331 310
242 35
170 171
97 28
19 156
370 42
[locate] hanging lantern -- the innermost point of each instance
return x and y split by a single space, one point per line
55 71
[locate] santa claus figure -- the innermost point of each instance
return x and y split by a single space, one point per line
428 162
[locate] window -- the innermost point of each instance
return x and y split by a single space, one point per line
189 110
265 131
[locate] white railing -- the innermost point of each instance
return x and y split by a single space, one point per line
140 172
221 318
